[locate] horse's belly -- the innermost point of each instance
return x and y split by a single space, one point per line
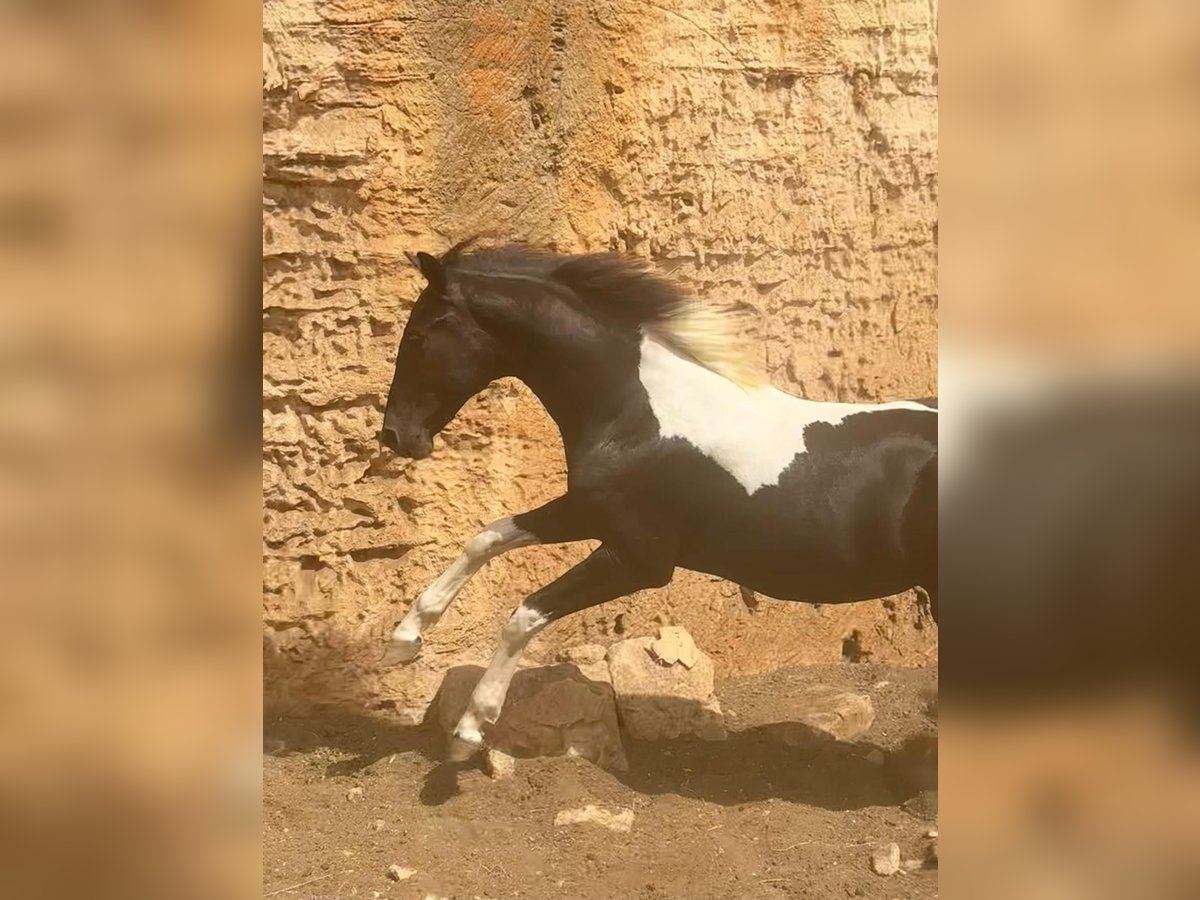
801 576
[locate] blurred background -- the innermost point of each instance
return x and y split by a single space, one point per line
129 489
1070 449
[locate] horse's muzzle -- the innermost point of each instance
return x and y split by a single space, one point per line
414 445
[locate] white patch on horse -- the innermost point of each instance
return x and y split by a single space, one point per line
497 538
753 433
488 697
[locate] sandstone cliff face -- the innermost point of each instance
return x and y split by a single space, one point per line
779 155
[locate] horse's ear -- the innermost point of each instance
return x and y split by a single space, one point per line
427 265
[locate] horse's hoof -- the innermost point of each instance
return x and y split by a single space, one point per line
465 744
402 650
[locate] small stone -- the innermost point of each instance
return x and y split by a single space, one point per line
932 833
499 764
875 756
885 860
674 645
355 793
379 824
923 805
621 821
912 865
399 873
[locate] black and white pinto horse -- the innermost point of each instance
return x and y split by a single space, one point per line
677 454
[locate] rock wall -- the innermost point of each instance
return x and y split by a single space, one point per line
781 155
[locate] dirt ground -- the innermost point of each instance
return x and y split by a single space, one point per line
758 815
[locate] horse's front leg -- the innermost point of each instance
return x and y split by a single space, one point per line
601 577
555 522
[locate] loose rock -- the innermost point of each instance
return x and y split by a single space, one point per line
674 645
399 873
923 805
355 793
659 701
379 825
931 852
621 821
885 860
499 764
842 715
550 711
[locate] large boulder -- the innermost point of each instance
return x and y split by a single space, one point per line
664 687
550 711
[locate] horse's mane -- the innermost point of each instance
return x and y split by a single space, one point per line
628 290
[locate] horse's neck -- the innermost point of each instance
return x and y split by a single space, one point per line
584 390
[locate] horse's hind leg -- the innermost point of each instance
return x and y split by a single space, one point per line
553 523
919 533
601 577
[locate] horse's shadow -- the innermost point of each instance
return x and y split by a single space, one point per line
367 739
784 760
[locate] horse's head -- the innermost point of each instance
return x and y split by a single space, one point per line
445 359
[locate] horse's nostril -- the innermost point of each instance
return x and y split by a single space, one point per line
390 439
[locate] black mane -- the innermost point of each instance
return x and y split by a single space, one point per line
621 287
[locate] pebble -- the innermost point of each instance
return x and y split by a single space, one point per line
885 860
379 824
498 765
622 820
399 873
355 793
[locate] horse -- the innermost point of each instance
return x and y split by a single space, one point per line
678 453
